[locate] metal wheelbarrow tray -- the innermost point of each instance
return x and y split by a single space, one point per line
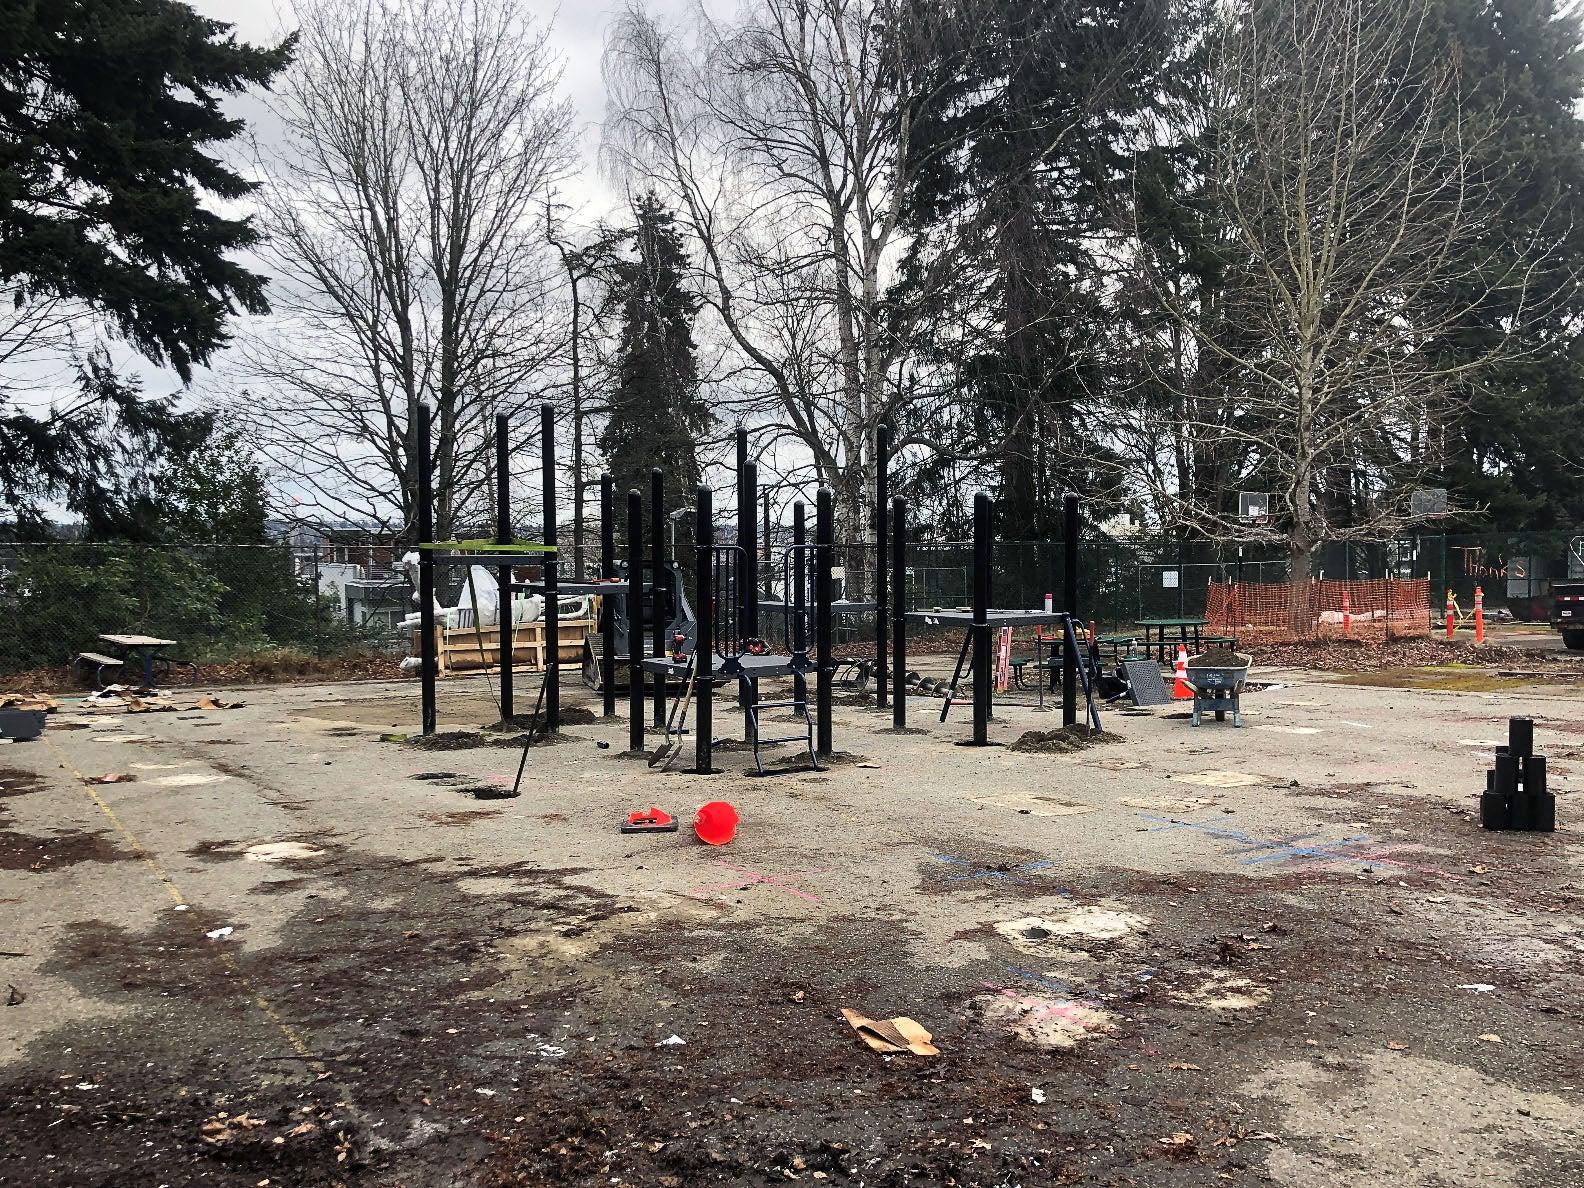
1218 688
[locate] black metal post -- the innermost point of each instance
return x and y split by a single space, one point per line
882 451
608 599
899 610
796 597
635 624
1070 606
657 550
748 579
552 604
764 542
504 624
981 621
704 652
428 663
825 538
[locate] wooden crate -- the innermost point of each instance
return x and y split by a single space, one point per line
464 649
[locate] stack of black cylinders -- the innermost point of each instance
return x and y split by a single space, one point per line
1515 788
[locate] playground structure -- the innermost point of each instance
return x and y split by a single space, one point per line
646 625
978 622
728 648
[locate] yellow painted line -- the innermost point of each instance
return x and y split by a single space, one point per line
290 1033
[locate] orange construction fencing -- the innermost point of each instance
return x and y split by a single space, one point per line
1383 608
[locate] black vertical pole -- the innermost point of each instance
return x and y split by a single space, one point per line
899 609
796 597
882 451
764 543
635 623
428 660
748 581
657 550
1070 605
505 625
704 653
981 621
824 537
608 599
552 602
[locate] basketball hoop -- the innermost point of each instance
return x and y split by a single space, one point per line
1254 507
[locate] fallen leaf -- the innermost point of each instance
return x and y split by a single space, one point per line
1184 1066
1490 1037
14 997
1396 1047
1179 1138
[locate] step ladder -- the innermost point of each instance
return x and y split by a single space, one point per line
799 707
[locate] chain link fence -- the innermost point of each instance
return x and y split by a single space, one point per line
224 603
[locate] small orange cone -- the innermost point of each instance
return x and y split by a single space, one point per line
1181 691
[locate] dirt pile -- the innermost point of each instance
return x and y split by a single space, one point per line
1063 741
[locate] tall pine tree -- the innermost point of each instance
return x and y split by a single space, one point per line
657 417
1041 124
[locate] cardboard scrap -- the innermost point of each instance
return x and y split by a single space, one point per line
110 777
211 701
900 1034
29 701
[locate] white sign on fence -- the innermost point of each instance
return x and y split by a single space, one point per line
1168 579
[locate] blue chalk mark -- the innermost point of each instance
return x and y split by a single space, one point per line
1271 849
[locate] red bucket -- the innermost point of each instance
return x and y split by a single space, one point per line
715 823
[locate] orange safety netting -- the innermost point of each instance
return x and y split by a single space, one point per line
1377 609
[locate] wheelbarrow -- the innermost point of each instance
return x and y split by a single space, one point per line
1218 688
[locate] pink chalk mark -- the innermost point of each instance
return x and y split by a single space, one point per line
751 878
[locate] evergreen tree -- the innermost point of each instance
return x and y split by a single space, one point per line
1040 124
657 417
1513 455
109 111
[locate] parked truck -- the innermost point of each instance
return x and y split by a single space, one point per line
1567 599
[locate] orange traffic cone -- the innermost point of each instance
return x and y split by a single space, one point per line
1181 690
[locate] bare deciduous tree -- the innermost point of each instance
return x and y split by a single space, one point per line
405 221
784 140
1354 212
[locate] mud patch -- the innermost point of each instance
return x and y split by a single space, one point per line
461 816
40 855
1220 991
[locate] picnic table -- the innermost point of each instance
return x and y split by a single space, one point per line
147 648
1159 627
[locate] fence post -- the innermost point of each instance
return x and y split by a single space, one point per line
1479 615
318 605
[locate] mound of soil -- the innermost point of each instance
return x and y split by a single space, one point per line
1063 741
